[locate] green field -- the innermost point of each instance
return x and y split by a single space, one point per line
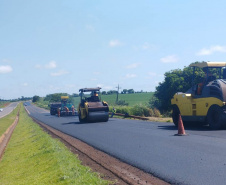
33 157
132 99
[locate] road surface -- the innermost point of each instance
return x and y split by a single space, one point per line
8 109
199 158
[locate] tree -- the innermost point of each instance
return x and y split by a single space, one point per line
130 91
124 91
56 97
175 81
35 98
112 92
104 93
75 95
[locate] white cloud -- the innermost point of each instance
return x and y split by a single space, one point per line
25 84
115 43
131 75
132 66
211 50
50 65
169 59
5 69
59 73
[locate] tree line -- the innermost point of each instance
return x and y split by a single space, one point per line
177 80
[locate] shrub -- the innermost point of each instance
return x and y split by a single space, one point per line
146 111
151 113
122 102
157 113
122 109
136 110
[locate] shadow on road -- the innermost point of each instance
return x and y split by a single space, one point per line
168 127
69 123
188 126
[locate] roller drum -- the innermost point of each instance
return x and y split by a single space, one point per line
98 116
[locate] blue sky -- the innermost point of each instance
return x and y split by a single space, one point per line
62 45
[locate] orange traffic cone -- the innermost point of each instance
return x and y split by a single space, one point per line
181 131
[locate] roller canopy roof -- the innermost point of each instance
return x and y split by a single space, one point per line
89 89
209 64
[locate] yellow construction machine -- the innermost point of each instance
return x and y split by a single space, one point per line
91 108
65 108
204 102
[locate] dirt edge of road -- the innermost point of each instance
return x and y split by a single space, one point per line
4 139
109 167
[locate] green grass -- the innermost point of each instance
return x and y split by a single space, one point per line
8 120
33 157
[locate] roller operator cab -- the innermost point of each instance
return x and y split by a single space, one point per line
204 102
91 108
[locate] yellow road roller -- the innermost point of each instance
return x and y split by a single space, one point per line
91 108
204 102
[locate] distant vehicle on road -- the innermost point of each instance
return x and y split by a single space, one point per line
1 110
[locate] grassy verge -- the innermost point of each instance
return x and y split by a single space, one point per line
33 157
6 121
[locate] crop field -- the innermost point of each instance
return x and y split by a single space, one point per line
132 99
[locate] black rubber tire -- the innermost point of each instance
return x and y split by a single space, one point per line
175 115
106 119
214 117
80 119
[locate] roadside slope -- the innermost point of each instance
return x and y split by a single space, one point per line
33 157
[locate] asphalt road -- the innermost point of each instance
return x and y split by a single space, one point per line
8 109
199 158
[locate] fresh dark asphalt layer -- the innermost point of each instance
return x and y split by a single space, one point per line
8 109
197 159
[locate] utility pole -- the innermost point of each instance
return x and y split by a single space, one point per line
117 92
